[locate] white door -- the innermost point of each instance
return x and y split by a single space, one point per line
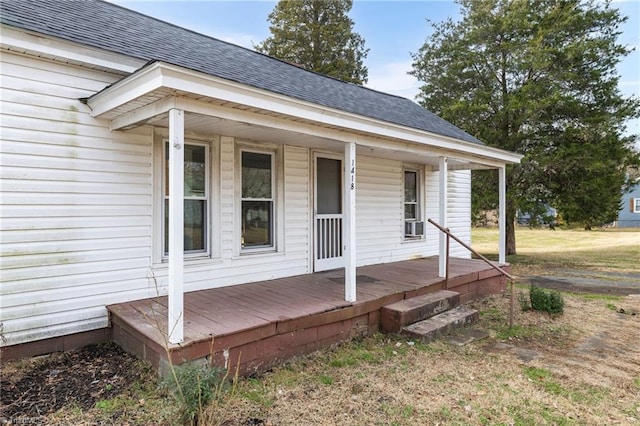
328 214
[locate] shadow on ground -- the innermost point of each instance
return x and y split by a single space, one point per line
578 281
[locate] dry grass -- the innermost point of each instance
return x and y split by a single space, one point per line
543 250
572 378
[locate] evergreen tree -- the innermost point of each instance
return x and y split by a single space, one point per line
317 35
537 77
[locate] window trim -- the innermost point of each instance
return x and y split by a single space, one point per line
418 203
273 247
191 254
635 204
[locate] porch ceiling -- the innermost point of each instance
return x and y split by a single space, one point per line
214 106
204 125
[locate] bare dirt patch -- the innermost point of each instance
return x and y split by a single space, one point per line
79 379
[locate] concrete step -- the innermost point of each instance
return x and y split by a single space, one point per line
441 324
396 315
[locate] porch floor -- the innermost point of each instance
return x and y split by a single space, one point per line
256 325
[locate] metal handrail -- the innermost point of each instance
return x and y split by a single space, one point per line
448 233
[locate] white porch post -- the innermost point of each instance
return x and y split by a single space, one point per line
502 215
349 224
442 218
176 226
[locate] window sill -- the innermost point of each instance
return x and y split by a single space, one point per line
259 252
413 240
190 261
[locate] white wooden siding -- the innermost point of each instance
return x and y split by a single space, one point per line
379 211
459 210
75 203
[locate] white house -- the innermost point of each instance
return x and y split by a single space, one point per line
138 157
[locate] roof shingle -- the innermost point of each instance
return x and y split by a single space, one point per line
104 25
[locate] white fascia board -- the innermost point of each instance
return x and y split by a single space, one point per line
126 90
50 47
161 75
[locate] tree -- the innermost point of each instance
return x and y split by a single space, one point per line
537 77
317 35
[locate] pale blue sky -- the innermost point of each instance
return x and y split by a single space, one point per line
391 29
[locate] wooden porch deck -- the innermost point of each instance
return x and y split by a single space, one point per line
260 324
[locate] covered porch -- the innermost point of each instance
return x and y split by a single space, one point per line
254 326
179 103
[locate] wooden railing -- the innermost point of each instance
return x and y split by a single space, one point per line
449 235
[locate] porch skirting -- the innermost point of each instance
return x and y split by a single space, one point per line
255 326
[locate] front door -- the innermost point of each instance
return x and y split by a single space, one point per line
328 245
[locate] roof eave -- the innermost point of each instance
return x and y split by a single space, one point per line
161 76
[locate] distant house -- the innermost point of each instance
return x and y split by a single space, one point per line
140 157
629 214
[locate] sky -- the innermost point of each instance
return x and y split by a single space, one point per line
392 30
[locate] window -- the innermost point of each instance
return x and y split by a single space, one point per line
413 227
635 205
257 199
196 198
410 195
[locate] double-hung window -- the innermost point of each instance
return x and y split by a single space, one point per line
635 205
413 227
257 200
196 198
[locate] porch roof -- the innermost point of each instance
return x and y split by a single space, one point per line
215 105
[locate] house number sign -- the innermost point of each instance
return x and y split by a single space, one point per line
352 173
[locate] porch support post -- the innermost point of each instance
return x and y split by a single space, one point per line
176 226
442 218
502 215
349 224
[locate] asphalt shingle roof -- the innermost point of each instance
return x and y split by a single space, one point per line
114 28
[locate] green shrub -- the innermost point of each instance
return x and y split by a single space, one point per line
194 385
546 301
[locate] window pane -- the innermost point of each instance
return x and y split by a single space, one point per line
194 171
410 186
194 225
256 175
410 211
256 223
329 186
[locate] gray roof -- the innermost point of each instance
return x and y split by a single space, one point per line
114 28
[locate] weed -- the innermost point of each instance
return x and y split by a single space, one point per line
443 378
408 411
492 314
636 382
504 332
524 301
194 385
325 380
105 404
546 301
545 378
258 394
611 306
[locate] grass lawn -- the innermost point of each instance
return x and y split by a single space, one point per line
580 368
540 251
